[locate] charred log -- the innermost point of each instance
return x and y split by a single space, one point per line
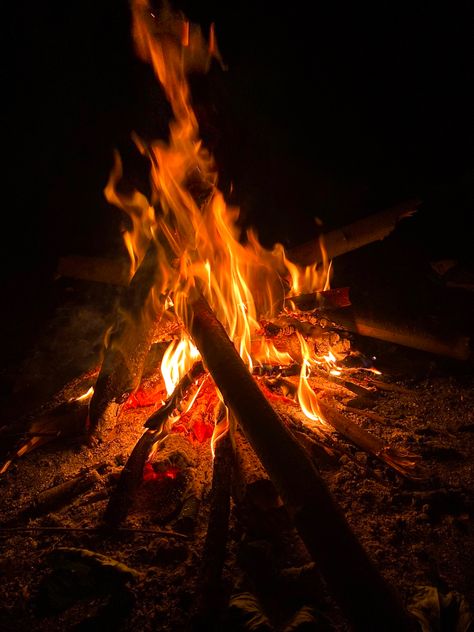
127 349
318 519
405 334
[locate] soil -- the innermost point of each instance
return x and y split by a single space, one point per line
417 532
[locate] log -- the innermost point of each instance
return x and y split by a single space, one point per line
405 334
130 478
59 495
405 464
213 556
126 351
348 571
325 299
359 233
336 242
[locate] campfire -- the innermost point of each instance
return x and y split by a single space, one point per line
246 349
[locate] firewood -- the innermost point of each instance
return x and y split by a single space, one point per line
126 351
325 299
130 478
59 495
404 463
405 334
370 414
98 530
359 233
336 242
132 473
215 545
343 562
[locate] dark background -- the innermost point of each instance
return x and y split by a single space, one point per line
326 110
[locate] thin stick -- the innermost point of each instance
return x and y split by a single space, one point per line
101 530
404 463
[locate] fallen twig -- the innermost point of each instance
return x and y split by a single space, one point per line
102 530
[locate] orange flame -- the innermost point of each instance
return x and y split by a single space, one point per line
198 241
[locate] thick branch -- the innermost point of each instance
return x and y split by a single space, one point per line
126 352
360 233
405 334
343 562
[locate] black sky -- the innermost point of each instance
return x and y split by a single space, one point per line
326 110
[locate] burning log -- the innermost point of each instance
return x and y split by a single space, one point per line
127 349
335 243
318 519
360 233
407 335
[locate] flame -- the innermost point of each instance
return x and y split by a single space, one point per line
198 243
306 396
177 360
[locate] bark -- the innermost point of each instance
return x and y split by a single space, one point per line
59 495
126 351
405 464
353 236
405 334
343 562
336 242
216 537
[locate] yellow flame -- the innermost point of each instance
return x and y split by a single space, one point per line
306 396
198 241
177 360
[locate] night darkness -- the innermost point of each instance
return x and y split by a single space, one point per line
331 111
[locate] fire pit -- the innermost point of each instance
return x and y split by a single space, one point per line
234 437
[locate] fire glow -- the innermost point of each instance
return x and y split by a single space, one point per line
198 245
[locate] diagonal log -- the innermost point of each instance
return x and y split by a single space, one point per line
129 343
360 233
348 571
336 242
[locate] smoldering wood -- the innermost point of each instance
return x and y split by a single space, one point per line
125 355
132 473
325 299
131 476
343 562
214 551
405 334
353 236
